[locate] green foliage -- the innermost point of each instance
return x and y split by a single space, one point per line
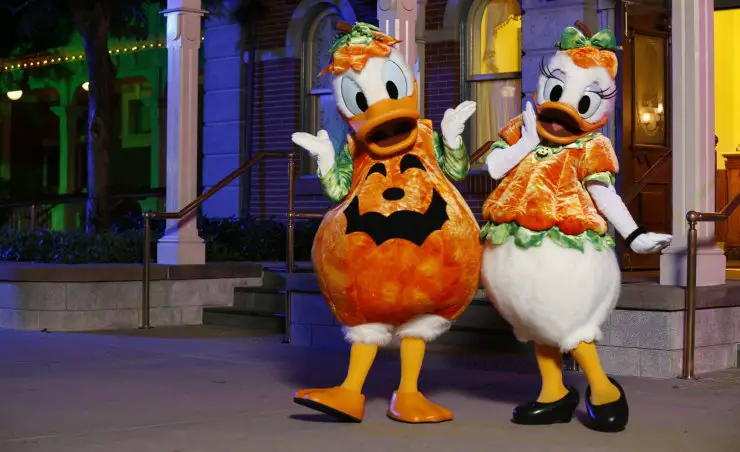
33 26
231 239
70 247
30 26
247 239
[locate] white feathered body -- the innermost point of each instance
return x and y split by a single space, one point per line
551 294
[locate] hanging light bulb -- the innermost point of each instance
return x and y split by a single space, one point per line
15 95
86 86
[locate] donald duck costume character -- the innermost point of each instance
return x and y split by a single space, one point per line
548 264
400 254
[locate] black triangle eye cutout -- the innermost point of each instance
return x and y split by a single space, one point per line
377 168
411 161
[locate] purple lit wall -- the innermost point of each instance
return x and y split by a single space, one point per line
277 106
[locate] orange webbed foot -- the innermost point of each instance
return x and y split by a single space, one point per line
343 404
414 408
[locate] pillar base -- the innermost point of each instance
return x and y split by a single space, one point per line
173 251
711 266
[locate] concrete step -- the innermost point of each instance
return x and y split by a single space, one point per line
277 278
261 308
478 338
243 318
482 315
284 269
260 299
272 280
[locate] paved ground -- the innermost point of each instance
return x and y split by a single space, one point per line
216 390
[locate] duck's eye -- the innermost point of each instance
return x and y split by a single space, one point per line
589 104
377 168
411 161
395 81
553 89
353 97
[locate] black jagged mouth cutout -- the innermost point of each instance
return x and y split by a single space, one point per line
414 227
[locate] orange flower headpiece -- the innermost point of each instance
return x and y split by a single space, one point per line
587 50
354 45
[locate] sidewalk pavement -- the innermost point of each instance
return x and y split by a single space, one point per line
205 389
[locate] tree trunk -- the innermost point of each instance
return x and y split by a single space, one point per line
102 78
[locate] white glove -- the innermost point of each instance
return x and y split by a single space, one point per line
319 147
453 123
500 162
610 204
650 243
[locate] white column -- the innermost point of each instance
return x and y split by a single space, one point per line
694 165
181 243
397 18
607 11
421 26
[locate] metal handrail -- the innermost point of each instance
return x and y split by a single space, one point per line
188 209
69 198
480 152
693 218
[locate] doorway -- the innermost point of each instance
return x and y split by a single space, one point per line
645 114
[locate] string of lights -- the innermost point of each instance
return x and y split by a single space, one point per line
65 58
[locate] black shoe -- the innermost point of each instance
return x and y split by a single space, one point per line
611 417
536 413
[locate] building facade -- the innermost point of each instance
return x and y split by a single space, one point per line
483 50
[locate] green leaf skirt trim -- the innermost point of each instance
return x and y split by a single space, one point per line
498 234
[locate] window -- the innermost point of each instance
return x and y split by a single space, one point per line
138 118
319 108
493 68
649 100
135 114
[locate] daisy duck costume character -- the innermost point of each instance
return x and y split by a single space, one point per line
400 254
548 265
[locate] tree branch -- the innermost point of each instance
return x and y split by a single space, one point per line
77 8
19 8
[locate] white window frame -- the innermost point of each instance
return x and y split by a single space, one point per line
310 114
468 80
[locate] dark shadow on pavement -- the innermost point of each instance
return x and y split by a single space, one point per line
508 375
318 417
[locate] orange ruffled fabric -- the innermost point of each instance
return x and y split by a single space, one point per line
541 194
356 56
588 57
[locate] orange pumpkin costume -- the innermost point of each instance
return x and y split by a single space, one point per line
397 280
400 254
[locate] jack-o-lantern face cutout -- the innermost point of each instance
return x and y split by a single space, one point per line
403 243
410 223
